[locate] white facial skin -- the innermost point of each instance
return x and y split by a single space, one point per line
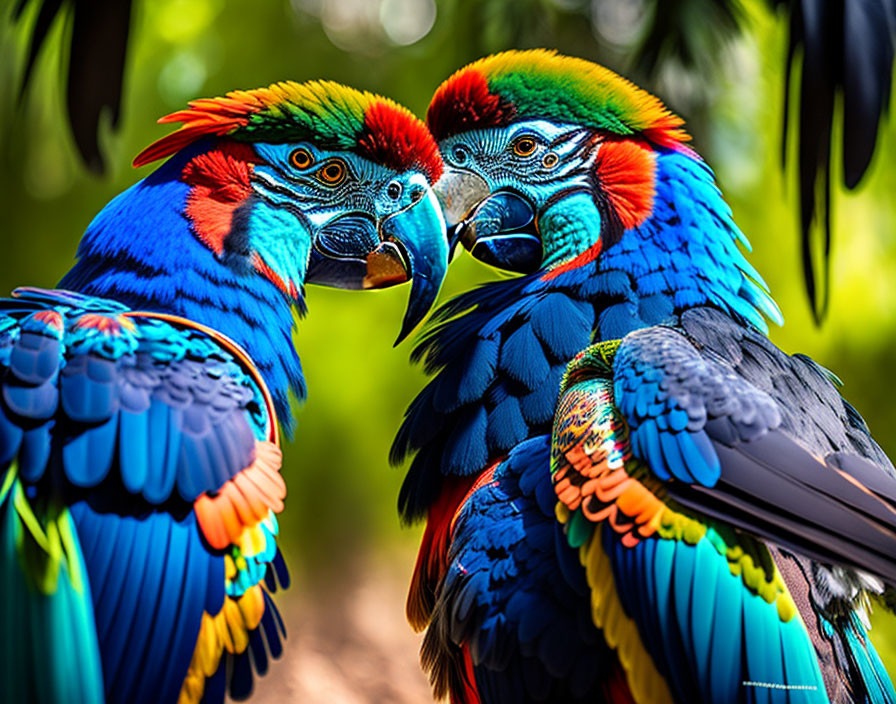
361 185
534 158
337 200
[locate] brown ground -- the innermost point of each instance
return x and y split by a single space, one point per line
347 644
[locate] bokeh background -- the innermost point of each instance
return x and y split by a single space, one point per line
349 556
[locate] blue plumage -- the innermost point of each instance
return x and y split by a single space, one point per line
555 320
699 607
500 330
502 594
165 434
506 312
34 359
35 451
537 406
182 276
522 359
87 457
150 394
506 425
466 450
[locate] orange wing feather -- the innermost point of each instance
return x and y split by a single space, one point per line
593 467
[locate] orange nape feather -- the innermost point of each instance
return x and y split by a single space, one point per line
220 180
204 117
243 501
626 171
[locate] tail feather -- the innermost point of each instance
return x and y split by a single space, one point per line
852 670
48 645
867 663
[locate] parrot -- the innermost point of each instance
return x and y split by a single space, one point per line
144 398
631 494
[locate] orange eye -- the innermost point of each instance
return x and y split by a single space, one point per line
332 173
524 146
301 158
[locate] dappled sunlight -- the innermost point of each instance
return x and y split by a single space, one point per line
341 535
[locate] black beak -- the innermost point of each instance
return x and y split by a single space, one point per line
339 253
497 228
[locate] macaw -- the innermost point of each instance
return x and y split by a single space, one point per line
139 439
631 494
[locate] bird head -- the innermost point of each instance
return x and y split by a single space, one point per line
548 158
313 183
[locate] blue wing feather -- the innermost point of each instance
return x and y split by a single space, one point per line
163 412
35 452
164 427
37 402
502 594
506 426
216 686
512 341
133 450
273 626
177 617
138 604
467 450
555 321
726 637
87 389
703 612
241 677
10 439
87 456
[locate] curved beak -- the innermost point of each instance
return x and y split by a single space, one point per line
498 228
355 252
413 246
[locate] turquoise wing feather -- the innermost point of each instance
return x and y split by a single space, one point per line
670 467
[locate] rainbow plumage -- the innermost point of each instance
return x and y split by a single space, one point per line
331 115
144 399
496 90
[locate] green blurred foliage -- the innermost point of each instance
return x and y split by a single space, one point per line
342 491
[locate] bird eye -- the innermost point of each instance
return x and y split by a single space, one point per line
524 146
332 173
549 160
459 154
301 158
